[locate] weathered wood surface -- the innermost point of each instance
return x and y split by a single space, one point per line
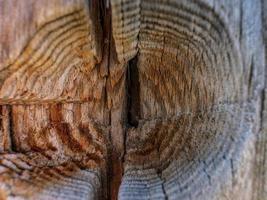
54 122
133 99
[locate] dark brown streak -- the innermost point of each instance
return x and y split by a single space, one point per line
11 133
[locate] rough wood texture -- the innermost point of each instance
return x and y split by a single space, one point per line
53 110
133 99
201 78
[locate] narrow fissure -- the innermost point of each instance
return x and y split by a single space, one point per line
101 14
11 133
133 93
115 161
1 117
130 111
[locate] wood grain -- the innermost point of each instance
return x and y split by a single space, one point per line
54 130
122 99
194 137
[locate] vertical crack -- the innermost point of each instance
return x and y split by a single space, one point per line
133 93
260 165
159 173
122 96
101 18
114 161
7 138
11 133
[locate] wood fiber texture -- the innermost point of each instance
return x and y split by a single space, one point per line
54 126
133 99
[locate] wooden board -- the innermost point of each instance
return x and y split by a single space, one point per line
144 99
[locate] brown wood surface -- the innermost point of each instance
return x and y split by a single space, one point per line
133 99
